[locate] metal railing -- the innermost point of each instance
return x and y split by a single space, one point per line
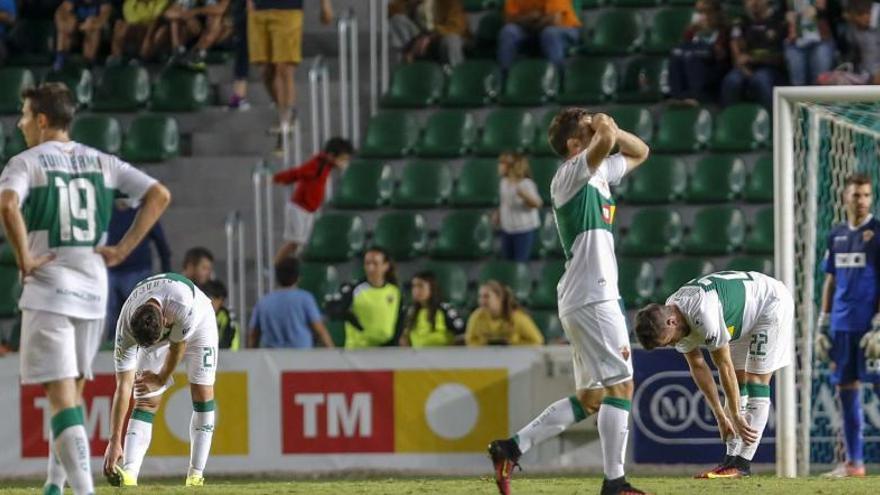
349 77
378 52
235 269
264 227
296 133
319 90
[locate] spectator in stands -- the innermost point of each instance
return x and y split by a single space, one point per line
428 28
428 321
189 19
198 265
371 309
139 265
553 23
275 42
227 327
863 38
134 34
311 182
7 19
518 209
499 320
809 47
756 46
697 66
80 19
287 317
240 72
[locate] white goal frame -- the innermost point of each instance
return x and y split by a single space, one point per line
793 445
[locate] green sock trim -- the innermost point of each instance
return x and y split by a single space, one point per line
516 439
141 415
66 418
203 406
617 402
579 413
744 389
759 390
51 489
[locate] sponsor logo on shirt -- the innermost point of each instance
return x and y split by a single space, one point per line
849 260
730 330
867 235
624 351
608 213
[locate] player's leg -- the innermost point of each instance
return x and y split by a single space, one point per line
201 363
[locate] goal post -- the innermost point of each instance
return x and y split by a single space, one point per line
821 135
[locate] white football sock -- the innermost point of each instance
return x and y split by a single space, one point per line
613 423
137 441
201 431
55 475
734 443
72 448
758 410
553 421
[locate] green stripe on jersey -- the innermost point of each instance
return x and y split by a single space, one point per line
731 290
175 277
73 208
587 210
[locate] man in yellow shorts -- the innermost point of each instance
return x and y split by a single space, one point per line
275 42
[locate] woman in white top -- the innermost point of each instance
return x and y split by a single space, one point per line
518 211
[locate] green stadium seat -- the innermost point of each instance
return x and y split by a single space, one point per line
473 83
486 35
717 230
653 232
636 280
506 129
337 332
335 237
682 130
123 88
550 326
682 2
678 272
588 80
13 80
759 188
98 131
32 42
180 90
543 170
415 85
3 149
463 235
78 80
667 29
452 280
716 179
448 133
366 184
321 279
477 184
530 82
548 238
540 145
644 79
662 179
617 32
544 295
633 3
635 119
510 273
151 138
760 237
593 4
15 143
422 185
402 234
478 5
390 133
741 127
760 264
10 289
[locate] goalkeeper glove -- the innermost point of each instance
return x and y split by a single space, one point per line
822 342
871 341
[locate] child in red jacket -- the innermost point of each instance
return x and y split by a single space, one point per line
308 194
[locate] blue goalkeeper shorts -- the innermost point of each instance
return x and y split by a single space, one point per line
848 360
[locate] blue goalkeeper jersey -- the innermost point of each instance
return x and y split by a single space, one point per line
852 258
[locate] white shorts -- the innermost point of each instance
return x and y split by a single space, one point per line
768 346
297 223
599 345
54 346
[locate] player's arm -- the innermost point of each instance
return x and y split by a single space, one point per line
150 382
727 374
118 411
16 234
604 138
702 375
155 201
323 335
291 175
632 148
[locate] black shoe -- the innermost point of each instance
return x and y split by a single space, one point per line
505 456
619 486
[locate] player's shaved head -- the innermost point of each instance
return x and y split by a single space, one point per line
566 125
146 325
651 325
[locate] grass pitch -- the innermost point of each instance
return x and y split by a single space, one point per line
568 485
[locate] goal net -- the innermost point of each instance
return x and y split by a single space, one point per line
822 135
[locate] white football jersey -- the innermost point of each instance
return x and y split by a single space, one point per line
66 192
584 212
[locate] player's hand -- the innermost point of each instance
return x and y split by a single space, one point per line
725 427
112 255
147 382
111 457
29 265
821 342
601 120
871 341
743 430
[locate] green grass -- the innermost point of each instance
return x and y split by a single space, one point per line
567 485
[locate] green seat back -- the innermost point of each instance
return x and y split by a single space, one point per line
760 264
13 80
633 3
617 32
653 232
473 83
10 283
486 35
402 234
635 119
464 235
506 129
321 279
717 230
180 90
679 271
667 29
541 145
661 180
98 131
15 143
78 80
337 332
477 184
365 184
414 85
759 188
716 179
123 88
422 185
742 127
760 237
636 280
644 80
530 82
151 138
548 237
3 137
390 133
447 134
510 273
543 170
549 325
588 80
452 280
682 130
544 296
335 237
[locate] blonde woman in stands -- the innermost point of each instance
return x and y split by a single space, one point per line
519 205
499 320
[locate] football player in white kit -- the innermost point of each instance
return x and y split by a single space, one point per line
55 201
164 321
745 320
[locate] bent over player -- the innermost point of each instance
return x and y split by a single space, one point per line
166 319
55 201
745 320
589 306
